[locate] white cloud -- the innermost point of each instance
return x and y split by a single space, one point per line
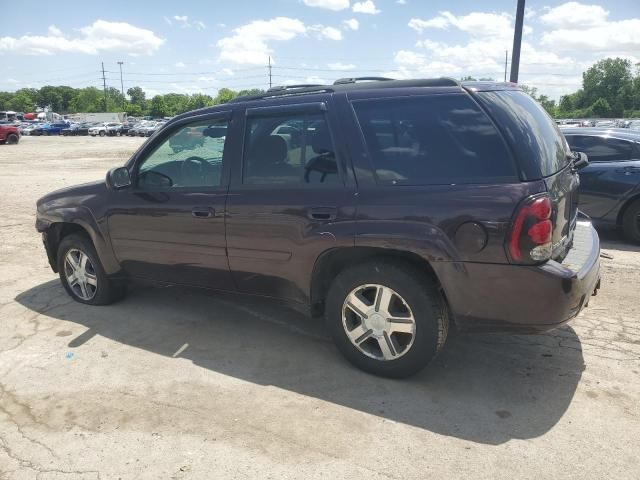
179 64
184 22
328 4
574 14
100 36
401 2
365 7
249 43
227 71
476 24
55 31
352 23
576 27
341 66
326 32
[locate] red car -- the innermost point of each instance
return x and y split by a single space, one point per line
9 134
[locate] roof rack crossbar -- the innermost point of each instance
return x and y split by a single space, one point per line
346 80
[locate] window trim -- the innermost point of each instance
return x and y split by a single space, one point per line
514 178
147 149
283 110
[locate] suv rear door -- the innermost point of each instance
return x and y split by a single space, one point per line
289 199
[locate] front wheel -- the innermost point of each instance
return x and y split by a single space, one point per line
631 221
102 133
12 139
387 318
82 274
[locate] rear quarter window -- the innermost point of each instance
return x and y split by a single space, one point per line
540 147
433 140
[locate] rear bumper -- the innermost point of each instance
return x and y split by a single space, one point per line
526 299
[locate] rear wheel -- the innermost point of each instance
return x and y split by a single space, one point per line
82 274
631 221
386 318
12 139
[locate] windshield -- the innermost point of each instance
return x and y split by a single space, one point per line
539 145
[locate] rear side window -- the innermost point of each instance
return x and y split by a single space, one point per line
601 149
540 147
289 149
434 140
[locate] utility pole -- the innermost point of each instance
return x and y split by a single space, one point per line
104 84
270 71
506 54
121 84
517 41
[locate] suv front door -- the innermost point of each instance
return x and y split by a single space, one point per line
289 201
169 226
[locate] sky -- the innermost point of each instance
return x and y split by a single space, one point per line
201 46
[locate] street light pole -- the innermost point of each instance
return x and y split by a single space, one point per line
122 84
517 41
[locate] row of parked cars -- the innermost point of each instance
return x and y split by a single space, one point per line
631 124
144 128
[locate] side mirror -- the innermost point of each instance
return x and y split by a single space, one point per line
581 161
118 178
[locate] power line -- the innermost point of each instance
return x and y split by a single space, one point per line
104 84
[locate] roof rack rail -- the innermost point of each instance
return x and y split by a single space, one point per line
282 88
346 80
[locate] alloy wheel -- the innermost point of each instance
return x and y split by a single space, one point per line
80 274
378 322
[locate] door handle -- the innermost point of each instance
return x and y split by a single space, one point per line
322 213
203 212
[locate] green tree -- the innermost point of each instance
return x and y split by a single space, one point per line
200 100
601 108
89 100
224 95
158 108
137 96
24 100
612 80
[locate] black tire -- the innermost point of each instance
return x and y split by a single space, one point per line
419 292
106 291
631 221
102 133
12 139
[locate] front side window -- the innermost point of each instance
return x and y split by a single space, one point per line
192 156
440 139
601 149
291 149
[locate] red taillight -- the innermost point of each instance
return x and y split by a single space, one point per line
530 236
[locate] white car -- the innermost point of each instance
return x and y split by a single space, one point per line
103 128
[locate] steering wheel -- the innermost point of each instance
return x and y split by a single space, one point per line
194 170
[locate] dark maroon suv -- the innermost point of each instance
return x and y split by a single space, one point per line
396 208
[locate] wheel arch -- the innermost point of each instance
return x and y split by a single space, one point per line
331 262
625 205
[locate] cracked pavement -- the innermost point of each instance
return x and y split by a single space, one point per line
176 383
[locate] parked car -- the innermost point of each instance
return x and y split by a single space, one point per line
149 129
9 134
134 131
403 207
26 129
610 184
77 129
53 128
114 129
124 130
102 129
634 125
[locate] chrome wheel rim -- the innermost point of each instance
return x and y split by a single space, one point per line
80 274
378 322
